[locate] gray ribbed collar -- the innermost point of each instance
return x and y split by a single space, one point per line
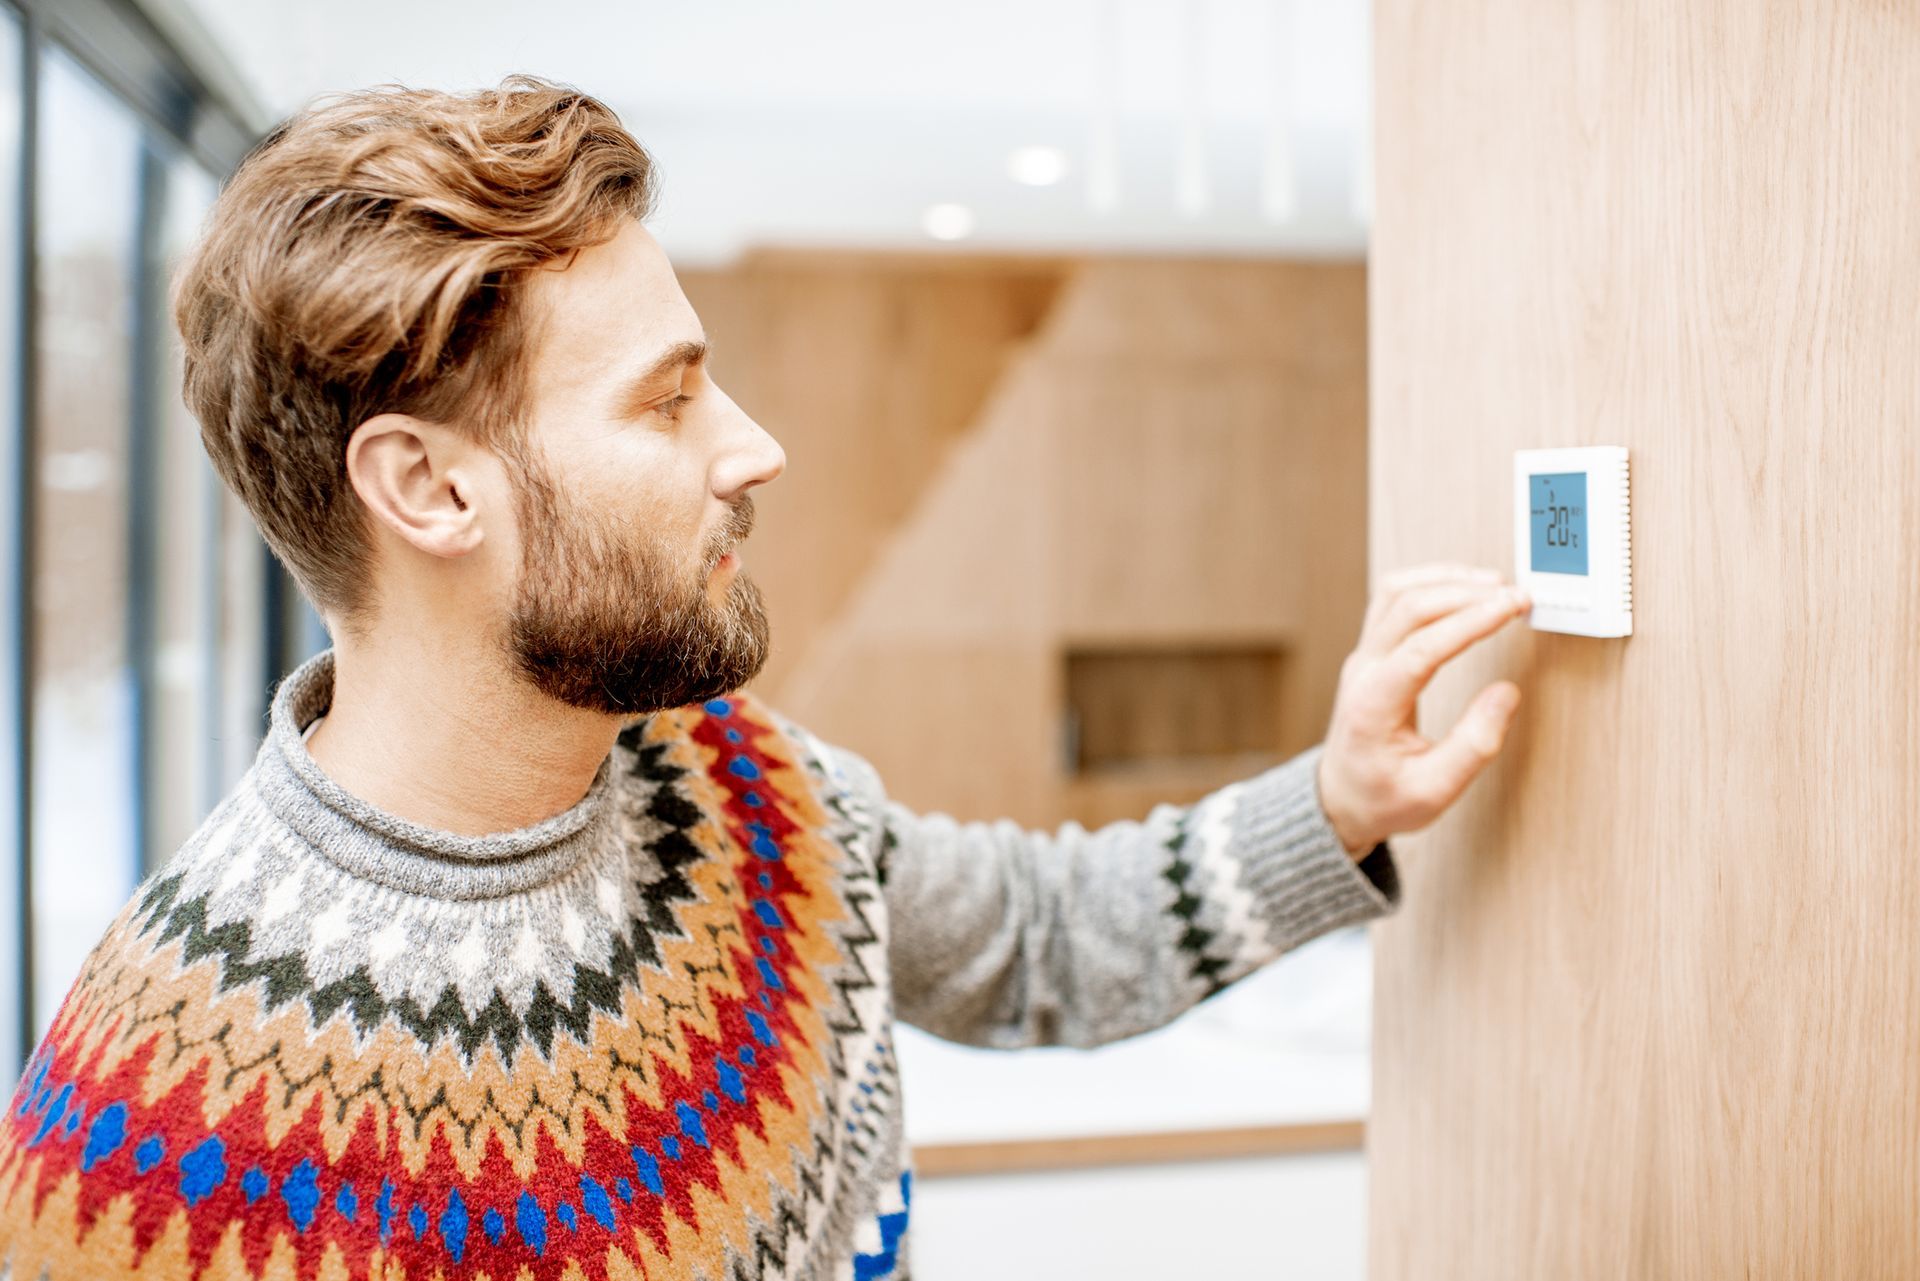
371 843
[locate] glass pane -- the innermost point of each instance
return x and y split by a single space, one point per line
243 639
183 721
87 211
12 992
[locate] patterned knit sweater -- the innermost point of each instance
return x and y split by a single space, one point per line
649 1037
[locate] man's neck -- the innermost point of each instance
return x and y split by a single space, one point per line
449 738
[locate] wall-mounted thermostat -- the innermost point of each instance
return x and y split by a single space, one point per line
1573 541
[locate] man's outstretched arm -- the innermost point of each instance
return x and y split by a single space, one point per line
1007 937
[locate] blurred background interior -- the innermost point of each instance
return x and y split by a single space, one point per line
1059 311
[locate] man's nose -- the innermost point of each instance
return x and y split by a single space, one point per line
753 457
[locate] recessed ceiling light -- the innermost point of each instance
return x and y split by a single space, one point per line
948 221
1037 166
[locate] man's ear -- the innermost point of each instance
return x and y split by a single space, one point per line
418 479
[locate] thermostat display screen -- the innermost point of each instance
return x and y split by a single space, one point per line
1572 544
1558 519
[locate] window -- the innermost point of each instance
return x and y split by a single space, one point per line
185 771
13 940
137 602
84 788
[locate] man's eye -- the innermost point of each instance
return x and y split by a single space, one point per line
670 409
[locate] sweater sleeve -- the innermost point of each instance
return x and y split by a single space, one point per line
1004 937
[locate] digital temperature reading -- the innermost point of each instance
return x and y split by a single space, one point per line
1573 539
1557 513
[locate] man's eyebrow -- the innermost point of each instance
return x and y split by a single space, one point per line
636 392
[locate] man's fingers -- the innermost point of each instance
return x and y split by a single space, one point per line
1439 775
1392 586
1419 606
1401 579
1440 571
1413 664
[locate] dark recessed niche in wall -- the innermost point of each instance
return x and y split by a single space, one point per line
1138 706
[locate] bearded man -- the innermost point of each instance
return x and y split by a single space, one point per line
530 946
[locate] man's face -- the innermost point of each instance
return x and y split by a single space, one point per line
632 494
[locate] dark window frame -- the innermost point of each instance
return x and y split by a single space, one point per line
180 108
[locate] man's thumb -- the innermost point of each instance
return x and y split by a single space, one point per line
1475 740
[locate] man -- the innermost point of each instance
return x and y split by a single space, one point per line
528 947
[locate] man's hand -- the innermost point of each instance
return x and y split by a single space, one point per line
1378 775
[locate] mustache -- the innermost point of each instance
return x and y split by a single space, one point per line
736 528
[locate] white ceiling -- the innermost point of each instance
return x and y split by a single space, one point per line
839 121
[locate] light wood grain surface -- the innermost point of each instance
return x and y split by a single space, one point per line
1022 1156
1175 458
1652 1009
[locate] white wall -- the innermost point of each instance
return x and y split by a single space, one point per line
1287 1044
1298 1218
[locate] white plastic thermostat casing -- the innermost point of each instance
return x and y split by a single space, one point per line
1573 539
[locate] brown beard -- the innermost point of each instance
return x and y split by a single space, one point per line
601 625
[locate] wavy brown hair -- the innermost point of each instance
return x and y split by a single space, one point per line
367 257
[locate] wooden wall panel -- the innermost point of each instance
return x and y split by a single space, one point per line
1653 1006
1177 457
